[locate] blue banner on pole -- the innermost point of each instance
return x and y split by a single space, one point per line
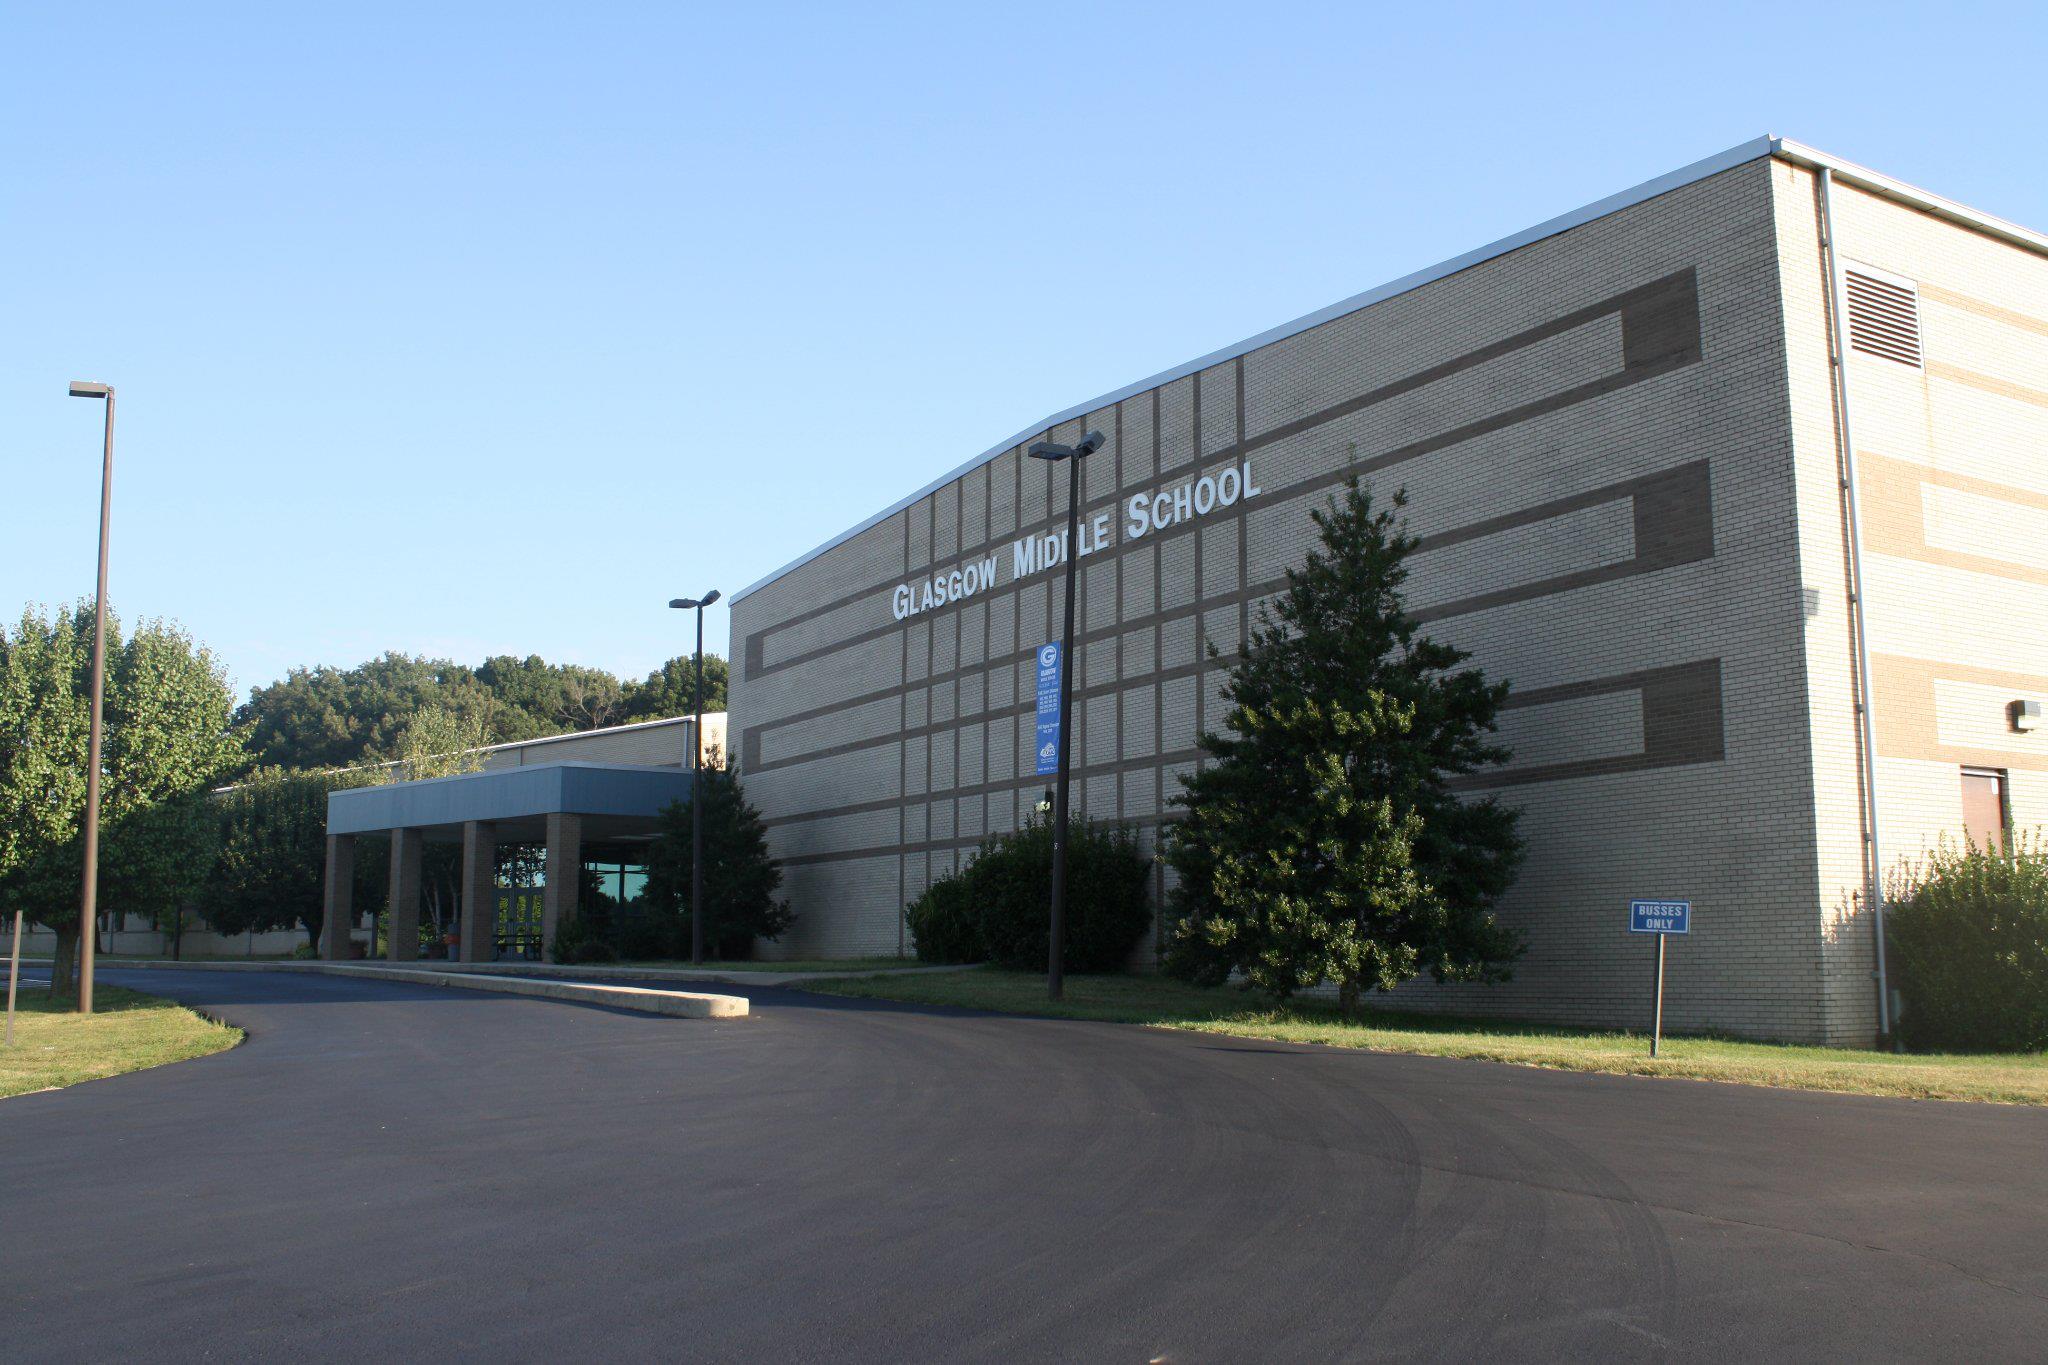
1049 665
1660 917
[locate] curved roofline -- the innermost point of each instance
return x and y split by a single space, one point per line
1752 150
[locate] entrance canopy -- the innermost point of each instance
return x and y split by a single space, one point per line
615 800
559 805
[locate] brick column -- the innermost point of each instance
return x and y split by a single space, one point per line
402 918
558 901
479 891
338 897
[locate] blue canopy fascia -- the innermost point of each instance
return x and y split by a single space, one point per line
595 789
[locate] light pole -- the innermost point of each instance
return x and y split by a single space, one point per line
89 892
1055 977
697 782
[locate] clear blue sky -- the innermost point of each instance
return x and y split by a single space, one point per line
476 329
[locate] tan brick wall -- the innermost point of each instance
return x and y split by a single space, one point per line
1618 445
662 743
1952 464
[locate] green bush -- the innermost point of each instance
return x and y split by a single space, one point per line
646 935
1967 931
578 942
999 907
945 925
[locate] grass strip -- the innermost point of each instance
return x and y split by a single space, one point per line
54 1045
1163 1003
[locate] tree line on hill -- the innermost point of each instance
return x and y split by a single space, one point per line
328 717
216 808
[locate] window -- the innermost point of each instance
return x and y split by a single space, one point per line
1985 822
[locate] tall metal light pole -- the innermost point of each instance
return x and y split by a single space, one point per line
1055 976
697 782
89 893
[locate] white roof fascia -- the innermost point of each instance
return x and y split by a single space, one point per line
1755 148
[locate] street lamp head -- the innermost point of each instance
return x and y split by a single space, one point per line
1053 450
82 389
686 603
708 598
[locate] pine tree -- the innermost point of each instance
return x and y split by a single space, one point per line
740 878
1322 840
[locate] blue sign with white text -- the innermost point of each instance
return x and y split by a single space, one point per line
1660 917
1049 663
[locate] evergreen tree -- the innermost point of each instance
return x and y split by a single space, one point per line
1322 841
740 879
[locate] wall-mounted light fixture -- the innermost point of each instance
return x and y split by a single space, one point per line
2025 715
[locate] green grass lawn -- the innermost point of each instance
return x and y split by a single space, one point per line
55 1045
1165 1003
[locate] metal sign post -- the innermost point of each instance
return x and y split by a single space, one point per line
13 974
1662 918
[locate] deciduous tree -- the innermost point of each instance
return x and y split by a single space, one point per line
168 739
667 691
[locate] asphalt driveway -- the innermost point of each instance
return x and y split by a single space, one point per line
396 1171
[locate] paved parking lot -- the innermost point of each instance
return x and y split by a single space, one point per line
387 1170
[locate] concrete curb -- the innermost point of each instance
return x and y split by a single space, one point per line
678 973
645 999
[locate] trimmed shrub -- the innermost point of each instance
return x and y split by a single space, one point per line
999 907
578 942
945 925
1967 931
645 935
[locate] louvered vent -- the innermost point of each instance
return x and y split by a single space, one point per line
1884 317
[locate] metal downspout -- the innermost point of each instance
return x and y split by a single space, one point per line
1838 358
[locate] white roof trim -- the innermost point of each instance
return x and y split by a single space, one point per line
1752 150
591 734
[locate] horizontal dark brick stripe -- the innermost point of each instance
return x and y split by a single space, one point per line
1660 332
1673 518
1682 725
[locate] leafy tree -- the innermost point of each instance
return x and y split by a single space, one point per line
442 740
538 698
168 738
1322 840
328 717
271 869
740 879
667 691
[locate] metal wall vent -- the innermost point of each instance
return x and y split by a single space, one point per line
1884 315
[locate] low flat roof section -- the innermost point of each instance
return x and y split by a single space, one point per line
595 789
